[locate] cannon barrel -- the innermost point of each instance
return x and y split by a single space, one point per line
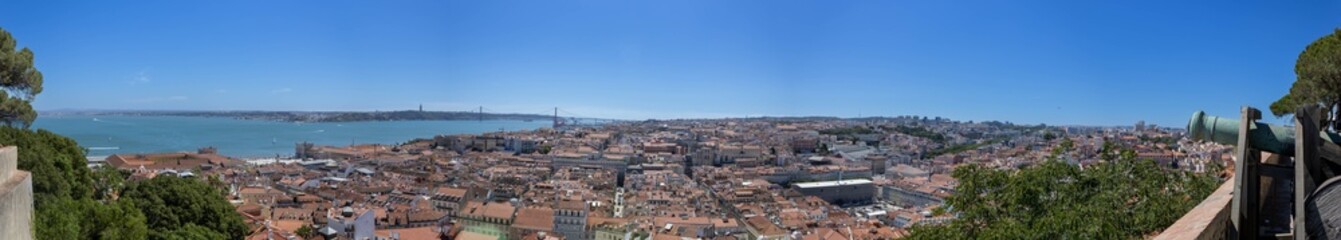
1266 137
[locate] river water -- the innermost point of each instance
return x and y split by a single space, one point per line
106 135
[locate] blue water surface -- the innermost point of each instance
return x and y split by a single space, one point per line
106 135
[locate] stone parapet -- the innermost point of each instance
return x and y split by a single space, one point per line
1208 220
9 161
16 197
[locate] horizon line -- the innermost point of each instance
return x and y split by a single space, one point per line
41 112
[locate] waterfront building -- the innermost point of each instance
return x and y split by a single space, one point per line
205 159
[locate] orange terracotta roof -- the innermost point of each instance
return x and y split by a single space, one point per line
419 233
535 218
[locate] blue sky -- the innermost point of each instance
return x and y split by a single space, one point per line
1055 62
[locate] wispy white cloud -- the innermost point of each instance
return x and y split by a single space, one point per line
281 91
141 78
221 91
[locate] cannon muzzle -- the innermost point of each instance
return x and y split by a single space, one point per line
1266 137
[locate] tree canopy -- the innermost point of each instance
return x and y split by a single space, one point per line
65 206
57 163
174 204
305 231
1126 198
20 82
73 202
1317 80
66 218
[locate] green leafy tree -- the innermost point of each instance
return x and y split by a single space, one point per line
64 190
1108 152
1127 198
173 204
1317 80
191 232
57 163
117 220
57 222
70 204
87 219
107 181
20 82
217 183
1067 145
305 231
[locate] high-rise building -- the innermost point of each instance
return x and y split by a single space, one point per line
16 197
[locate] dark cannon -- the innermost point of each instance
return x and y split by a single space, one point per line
1307 159
1266 137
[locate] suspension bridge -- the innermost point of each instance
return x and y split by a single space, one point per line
560 118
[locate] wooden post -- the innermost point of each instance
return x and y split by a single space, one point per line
1307 167
1247 187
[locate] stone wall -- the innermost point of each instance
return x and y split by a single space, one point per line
16 197
9 162
1208 220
